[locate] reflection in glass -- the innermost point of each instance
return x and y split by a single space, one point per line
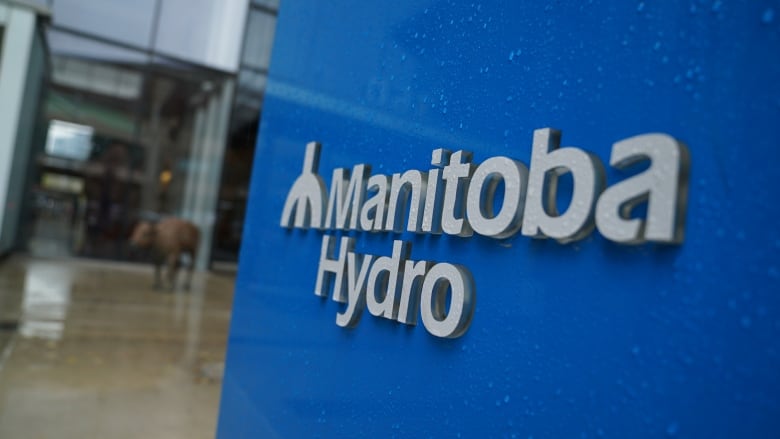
242 132
130 138
63 43
69 140
98 78
141 99
46 300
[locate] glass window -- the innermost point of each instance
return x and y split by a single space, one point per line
65 44
259 39
121 20
141 133
202 31
96 78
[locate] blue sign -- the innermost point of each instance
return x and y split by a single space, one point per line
513 220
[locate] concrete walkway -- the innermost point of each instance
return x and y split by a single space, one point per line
89 350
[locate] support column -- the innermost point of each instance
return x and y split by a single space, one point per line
17 43
202 187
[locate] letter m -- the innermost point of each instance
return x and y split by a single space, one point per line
345 198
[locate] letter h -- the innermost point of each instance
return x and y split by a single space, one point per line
333 267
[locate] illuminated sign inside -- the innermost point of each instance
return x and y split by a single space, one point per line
458 197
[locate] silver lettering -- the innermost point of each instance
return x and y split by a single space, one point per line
335 267
411 182
307 193
382 290
541 218
664 186
453 220
356 290
431 222
482 192
414 273
345 199
372 215
438 320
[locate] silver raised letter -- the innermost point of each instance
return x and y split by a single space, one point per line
664 185
541 217
346 199
438 320
482 192
431 222
356 290
413 182
328 265
453 220
307 193
382 299
372 215
414 274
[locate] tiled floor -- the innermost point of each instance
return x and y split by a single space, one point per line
89 350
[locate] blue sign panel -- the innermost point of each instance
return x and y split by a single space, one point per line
381 295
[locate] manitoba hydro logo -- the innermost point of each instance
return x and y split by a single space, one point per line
496 198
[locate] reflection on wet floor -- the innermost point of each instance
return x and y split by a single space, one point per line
89 350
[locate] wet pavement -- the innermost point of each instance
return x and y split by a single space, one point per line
89 350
